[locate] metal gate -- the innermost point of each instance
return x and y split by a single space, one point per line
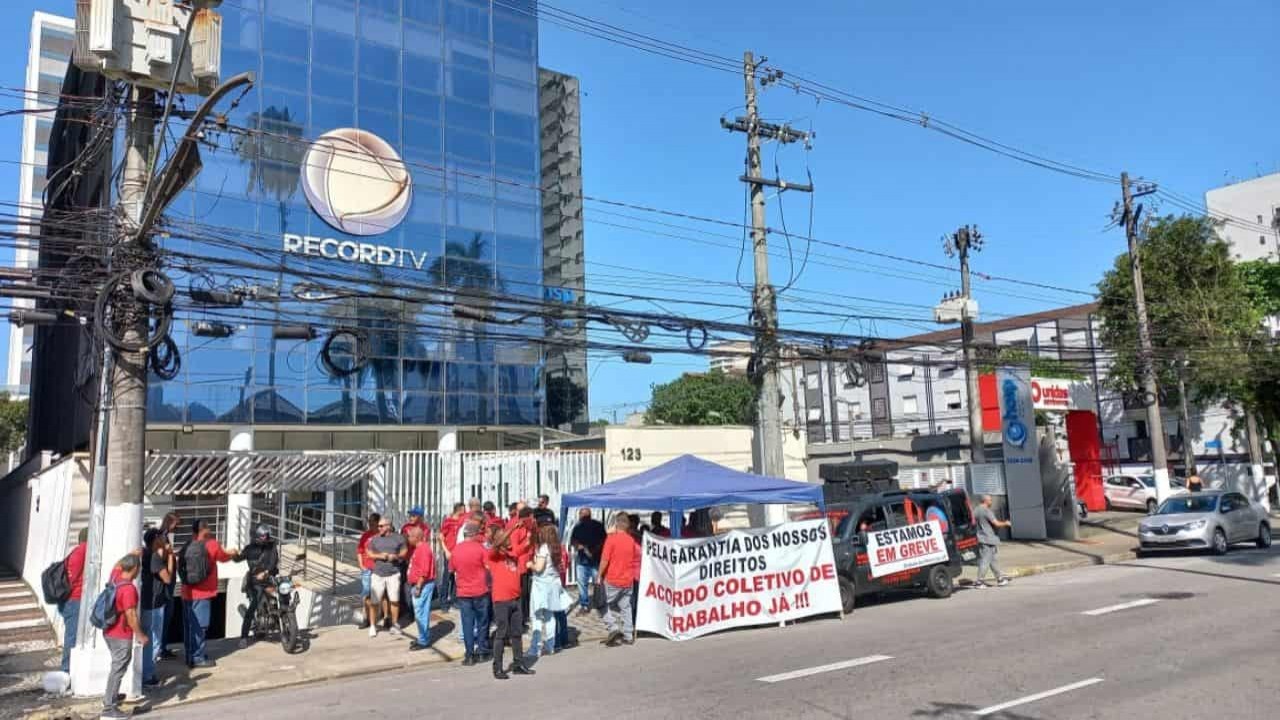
438 479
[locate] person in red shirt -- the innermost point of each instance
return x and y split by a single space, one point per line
618 561
656 527
422 585
524 533
468 563
491 515
450 531
69 609
120 635
366 570
198 597
504 568
416 514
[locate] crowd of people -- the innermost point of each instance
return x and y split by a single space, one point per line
139 597
506 575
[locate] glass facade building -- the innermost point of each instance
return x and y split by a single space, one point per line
452 87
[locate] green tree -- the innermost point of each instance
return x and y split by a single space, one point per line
13 423
565 400
1199 306
712 398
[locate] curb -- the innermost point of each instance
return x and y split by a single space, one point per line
87 708
1112 558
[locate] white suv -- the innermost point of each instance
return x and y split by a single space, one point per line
1135 491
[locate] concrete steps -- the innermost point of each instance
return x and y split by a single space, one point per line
28 646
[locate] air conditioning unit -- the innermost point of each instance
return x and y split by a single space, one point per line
137 41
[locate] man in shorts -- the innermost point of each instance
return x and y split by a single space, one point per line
366 569
388 551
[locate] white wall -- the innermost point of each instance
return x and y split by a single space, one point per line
1251 205
630 450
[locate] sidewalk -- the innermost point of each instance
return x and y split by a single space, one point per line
330 653
1105 537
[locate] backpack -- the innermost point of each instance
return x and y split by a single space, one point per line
193 562
104 613
55 584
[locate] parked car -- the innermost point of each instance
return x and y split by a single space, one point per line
854 519
1212 520
1135 491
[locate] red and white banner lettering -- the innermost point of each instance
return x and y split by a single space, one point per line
904 548
693 587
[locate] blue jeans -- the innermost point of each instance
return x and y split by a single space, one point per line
193 631
366 578
474 614
562 629
586 575
70 612
422 612
153 626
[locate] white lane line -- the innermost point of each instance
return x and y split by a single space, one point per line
18 624
1038 696
1121 606
842 665
18 607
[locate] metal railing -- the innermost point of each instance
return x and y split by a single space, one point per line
213 513
310 552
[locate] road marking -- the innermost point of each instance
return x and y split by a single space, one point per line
17 624
18 607
1037 696
842 665
1121 606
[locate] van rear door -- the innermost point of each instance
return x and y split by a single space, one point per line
963 527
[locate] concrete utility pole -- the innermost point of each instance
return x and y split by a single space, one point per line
765 304
1188 452
961 243
1146 361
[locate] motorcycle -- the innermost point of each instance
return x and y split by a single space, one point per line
276 612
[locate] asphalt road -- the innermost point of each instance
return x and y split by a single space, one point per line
1175 637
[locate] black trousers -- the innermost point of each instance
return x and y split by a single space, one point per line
254 591
526 587
508 627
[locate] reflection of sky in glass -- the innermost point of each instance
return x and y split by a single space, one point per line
426 76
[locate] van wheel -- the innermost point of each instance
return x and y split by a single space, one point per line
848 597
939 582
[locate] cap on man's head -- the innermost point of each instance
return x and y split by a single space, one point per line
416 510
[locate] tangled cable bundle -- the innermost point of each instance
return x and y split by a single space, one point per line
149 291
361 352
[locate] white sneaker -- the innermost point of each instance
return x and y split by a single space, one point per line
395 631
1002 582
373 631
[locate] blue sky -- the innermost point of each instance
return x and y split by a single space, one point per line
1183 93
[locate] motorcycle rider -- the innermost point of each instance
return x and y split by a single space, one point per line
263 559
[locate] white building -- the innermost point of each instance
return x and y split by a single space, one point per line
729 357
52 40
1251 210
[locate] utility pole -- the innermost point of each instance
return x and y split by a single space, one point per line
963 241
1146 364
765 304
1188 452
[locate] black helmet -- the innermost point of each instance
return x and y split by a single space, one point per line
261 533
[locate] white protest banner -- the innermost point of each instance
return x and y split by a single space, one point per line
903 548
697 586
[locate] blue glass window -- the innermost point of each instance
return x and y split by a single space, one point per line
336 84
376 95
422 72
520 410
379 61
515 67
519 220
334 50
337 15
515 154
470 212
469 55
515 32
279 405
470 86
164 401
466 116
423 409
516 98
422 40
237 61
468 145
326 115
424 11
471 410
519 251
380 20
518 379
427 208
287 39
217 403
422 105
329 407
240 30
425 374
467 377
278 72
384 125
422 135
467 20
296 10
515 126
521 281
381 407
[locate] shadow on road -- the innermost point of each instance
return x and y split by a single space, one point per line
958 710
1246 559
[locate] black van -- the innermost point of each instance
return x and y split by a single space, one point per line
852 520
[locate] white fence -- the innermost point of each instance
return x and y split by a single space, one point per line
436 480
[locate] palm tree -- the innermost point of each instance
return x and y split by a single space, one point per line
463 268
274 156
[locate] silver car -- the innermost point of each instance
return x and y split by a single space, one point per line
1214 520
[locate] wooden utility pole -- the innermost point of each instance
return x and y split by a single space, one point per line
764 301
1146 361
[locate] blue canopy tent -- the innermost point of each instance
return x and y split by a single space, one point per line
690 483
